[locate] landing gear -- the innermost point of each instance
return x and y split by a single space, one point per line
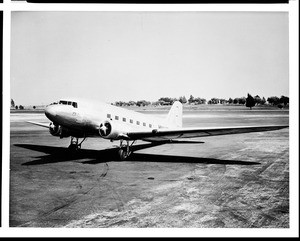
125 150
74 145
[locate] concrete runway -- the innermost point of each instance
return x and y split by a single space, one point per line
233 181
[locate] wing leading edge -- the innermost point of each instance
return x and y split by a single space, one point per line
166 134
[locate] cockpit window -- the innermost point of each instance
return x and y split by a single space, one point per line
64 102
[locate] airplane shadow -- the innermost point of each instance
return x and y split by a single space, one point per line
62 154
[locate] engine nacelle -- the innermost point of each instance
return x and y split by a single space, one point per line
57 130
110 130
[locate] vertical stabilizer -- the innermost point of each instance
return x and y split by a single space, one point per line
174 118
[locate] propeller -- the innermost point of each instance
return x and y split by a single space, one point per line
54 129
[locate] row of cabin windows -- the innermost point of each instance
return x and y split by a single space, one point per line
131 121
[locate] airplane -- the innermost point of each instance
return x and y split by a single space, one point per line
77 119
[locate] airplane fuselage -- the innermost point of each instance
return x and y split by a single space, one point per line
87 118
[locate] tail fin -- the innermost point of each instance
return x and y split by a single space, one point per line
174 118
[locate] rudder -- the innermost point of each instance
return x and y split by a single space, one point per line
174 117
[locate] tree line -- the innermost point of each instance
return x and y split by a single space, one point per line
17 107
249 101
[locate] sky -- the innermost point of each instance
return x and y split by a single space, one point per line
112 56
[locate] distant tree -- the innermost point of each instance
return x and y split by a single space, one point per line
139 103
242 100
119 103
257 100
223 101
215 101
199 101
263 101
17 107
280 106
182 99
12 103
34 107
230 101
284 100
21 107
250 101
166 101
191 99
142 103
131 103
273 100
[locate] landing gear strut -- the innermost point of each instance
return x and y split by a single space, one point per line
74 145
125 149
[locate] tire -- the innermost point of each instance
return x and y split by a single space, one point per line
73 147
122 154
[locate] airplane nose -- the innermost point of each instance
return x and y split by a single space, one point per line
50 112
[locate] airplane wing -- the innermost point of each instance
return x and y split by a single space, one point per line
166 134
39 124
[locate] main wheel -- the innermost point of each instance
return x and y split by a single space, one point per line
73 147
122 154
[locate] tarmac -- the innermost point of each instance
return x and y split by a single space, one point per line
232 181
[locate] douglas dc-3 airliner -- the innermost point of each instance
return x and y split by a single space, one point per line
82 119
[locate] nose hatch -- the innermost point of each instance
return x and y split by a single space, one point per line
50 112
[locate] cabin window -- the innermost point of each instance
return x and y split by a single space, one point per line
124 119
108 116
144 124
116 117
137 122
131 121
150 125
74 104
69 102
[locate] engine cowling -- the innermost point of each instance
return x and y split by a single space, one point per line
57 130
110 130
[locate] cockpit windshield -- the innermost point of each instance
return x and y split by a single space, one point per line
65 102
